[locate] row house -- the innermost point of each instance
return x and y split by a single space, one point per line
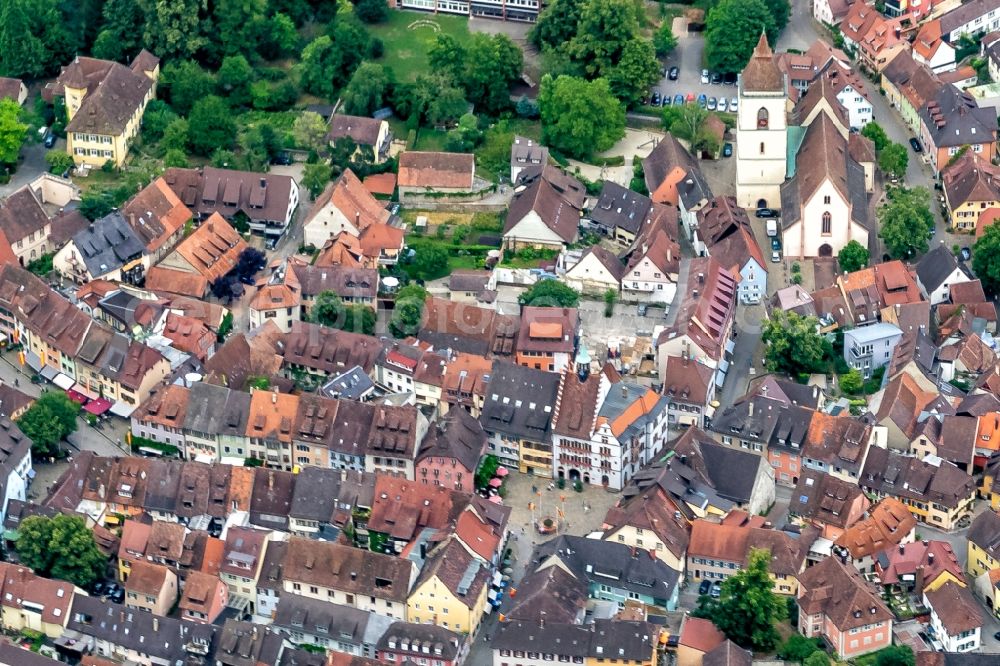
724 232
956 621
717 551
521 643
873 38
972 19
829 503
888 525
971 187
648 521
343 629
652 263
548 338
29 602
452 589
517 417
952 120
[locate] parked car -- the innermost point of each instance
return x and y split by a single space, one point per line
703 100
678 100
915 143
723 104
50 140
118 596
734 105
727 150
775 243
775 256
772 228
729 79
716 78
764 213
966 254
706 586
690 98
282 158
716 590
97 589
673 73
666 100
642 309
705 76
713 104
654 99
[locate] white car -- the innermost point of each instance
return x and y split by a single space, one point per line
723 104
775 256
734 105
704 76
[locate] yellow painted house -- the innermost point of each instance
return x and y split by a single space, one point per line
971 185
30 602
984 544
105 102
451 591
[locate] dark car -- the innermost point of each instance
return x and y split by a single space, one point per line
775 244
729 79
766 213
673 73
654 99
705 586
50 140
917 148
97 589
282 158
727 150
118 596
666 100
966 254
716 78
996 636
703 100
678 100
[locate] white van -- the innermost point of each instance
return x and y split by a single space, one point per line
772 228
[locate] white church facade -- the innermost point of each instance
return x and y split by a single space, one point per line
761 131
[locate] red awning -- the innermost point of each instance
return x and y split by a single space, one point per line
76 396
98 406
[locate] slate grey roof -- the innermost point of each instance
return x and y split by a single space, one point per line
520 401
964 13
935 267
419 636
351 385
730 472
611 639
217 410
321 618
315 494
620 207
108 244
953 118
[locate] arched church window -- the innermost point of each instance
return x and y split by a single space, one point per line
827 223
762 118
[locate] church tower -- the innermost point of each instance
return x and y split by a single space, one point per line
761 130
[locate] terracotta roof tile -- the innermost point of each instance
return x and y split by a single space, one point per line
436 170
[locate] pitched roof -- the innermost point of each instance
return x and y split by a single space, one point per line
706 308
348 282
355 203
552 194
21 214
361 130
329 350
174 281
551 594
465 328
928 480
520 401
824 498
927 558
213 249
762 73
576 410
838 591
347 569
457 435
955 607
685 380
436 170
700 634
262 197
10 88
971 179
115 94
727 654
146 578
669 154
954 118
888 523
156 214
985 532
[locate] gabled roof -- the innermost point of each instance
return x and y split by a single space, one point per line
361 130
213 249
824 498
456 435
156 214
436 170
349 196
115 94
954 118
555 196
839 592
888 523
21 214
971 179
762 73
108 244
520 401
955 607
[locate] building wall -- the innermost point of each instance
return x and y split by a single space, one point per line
753 282
378 605
859 109
965 217
979 561
447 472
645 282
760 153
283 317
433 603
159 604
648 540
16 620
806 238
589 275
531 231
32 246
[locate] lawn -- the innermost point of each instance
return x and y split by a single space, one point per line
409 35
431 139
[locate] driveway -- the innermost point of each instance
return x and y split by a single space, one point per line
31 165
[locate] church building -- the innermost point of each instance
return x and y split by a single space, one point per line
761 130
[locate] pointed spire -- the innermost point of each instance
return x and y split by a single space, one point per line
763 49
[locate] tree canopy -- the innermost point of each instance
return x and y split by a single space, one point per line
408 311
557 24
12 131
211 125
877 135
732 30
896 655
793 344
986 259
61 547
579 117
485 68
636 70
893 159
747 609
550 293
330 310
852 257
905 221
368 90
48 422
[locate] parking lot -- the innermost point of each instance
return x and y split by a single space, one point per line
687 57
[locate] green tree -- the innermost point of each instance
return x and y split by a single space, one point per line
780 9
187 82
22 52
447 106
748 608
368 90
492 64
320 60
352 40
211 126
557 24
371 11
664 40
61 547
176 158
48 422
177 135
986 259
408 311
12 131
225 328
853 257
315 177
732 30
59 161
280 39
330 310
550 293
797 648
605 28
636 70
896 655
309 131
852 382
793 344
233 80
877 135
817 658
120 31
155 120
447 56
579 117
429 263
237 25
893 159
905 221
173 28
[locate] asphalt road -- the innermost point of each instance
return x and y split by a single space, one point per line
30 166
687 57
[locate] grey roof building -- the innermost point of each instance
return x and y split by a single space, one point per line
525 153
620 208
107 245
335 626
629 641
354 384
519 402
216 410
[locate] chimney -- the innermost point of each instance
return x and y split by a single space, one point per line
263 182
156 623
701 278
930 558
274 397
357 217
902 549
751 407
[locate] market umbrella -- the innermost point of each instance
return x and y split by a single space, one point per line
495 483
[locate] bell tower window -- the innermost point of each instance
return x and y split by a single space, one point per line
762 118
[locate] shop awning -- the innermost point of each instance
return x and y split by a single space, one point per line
77 397
65 382
48 372
98 406
32 359
82 389
122 409
730 345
